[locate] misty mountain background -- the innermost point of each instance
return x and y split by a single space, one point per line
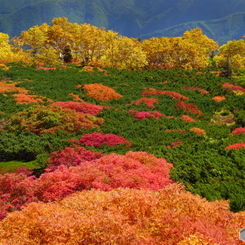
221 20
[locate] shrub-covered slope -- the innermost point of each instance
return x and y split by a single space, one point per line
79 129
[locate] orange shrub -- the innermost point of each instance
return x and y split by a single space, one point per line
125 217
10 86
218 98
75 96
187 118
198 131
176 130
26 98
148 101
101 92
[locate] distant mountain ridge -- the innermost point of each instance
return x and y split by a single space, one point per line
221 20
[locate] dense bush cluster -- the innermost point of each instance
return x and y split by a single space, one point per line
78 169
125 216
48 119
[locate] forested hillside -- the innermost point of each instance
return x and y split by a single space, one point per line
221 20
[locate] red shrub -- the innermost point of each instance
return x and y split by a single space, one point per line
80 107
97 139
133 170
146 114
233 87
235 146
201 90
174 95
148 101
189 107
16 189
175 143
71 157
239 130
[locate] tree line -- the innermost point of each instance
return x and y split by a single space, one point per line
61 42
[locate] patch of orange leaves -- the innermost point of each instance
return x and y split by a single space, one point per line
198 131
187 118
176 130
100 92
26 99
22 96
218 98
75 97
174 95
11 87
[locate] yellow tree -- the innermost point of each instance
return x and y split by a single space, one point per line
45 42
36 42
88 42
61 35
5 48
34 38
232 52
158 52
186 54
205 44
8 52
192 50
122 52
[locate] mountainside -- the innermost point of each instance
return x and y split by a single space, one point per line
221 20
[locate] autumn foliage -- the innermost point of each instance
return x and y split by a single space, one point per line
201 90
71 157
77 169
81 194
146 114
26 99
218 98
174 95
80 107
124 216
235 146
101 92
150 102
97 139
47 119
187 118
191 108
239 130
198 131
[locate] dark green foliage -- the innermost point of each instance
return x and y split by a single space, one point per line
26 146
